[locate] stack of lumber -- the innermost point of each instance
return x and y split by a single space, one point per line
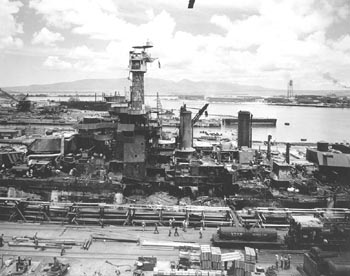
184 258
232 256
249 268
241 268
216 258
249 255
195 259
189 272
238 268
206 257
170 244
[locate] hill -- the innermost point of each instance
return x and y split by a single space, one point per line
152 86
164 87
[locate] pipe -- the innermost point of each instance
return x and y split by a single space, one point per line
288 153
269 137
44 155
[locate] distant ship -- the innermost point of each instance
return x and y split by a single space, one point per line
255 121
238 99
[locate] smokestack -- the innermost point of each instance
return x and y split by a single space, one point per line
288 153
244 129
185 128
269 137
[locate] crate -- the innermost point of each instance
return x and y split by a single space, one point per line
205 253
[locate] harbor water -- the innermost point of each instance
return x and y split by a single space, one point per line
310 124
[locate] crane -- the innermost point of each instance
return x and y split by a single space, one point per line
8 95
199 114
22 104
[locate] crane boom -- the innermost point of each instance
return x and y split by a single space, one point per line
8 95
199 114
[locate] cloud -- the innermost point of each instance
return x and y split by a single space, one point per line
82 16
9 27
342 44
46 37
55 63
275 40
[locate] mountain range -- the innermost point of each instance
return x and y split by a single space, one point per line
152 86
164 88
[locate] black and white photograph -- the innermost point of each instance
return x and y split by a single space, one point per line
175 137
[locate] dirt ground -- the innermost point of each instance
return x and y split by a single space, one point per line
93 261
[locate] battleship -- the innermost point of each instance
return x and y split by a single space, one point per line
114 186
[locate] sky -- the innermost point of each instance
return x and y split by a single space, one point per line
248 42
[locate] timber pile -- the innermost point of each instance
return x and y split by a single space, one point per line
189 272
205 257
39 245
249 255
192 246
112 238
43 243
210 258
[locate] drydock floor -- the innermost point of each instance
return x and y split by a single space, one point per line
93 261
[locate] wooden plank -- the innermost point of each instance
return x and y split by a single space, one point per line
40 245
170 244
108 238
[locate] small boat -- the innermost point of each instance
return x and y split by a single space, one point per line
303 139
286 124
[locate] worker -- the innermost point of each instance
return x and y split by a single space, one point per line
203 224
2 240
156 229
313 235
277 261
201 232
170 222
256 255
169 231
173 222
143 226
289 259
55 265
184 225
63 250
218 229
282 261
285 262
176 233
36 242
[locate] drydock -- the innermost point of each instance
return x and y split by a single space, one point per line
111 193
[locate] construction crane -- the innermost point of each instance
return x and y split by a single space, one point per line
23 104
199 114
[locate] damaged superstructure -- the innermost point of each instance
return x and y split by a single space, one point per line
87 172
